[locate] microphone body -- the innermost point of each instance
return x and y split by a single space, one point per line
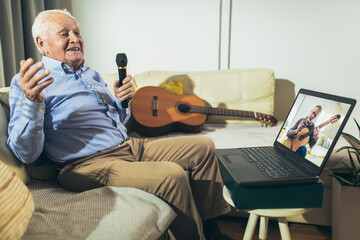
121 61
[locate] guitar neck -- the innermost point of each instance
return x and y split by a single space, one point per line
222 112
323 124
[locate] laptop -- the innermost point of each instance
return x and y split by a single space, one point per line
301 148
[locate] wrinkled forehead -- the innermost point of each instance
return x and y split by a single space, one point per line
57 22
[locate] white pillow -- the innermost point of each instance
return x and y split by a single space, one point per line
17 205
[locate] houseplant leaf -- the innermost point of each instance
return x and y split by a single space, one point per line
352 176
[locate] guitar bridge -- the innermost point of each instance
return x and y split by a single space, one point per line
155 106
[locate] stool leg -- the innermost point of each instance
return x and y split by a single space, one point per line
264 221
284 228
250 227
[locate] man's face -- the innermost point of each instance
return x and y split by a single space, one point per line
63 40
313 114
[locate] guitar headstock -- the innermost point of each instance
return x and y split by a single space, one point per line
335 118
266 119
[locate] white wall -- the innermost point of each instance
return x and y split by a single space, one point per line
313 43
155 35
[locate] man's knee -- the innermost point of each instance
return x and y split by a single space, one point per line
174 181
205 142
302 151
175 172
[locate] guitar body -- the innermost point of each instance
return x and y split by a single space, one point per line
155 111
295 143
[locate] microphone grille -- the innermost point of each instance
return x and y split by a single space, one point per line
121 60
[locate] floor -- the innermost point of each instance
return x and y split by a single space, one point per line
234 227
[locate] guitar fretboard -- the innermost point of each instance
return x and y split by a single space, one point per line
221 111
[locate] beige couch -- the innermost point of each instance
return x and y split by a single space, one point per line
133 214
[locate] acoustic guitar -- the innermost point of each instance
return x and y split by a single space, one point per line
303 137
156 111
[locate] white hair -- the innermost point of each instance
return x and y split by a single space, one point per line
39 26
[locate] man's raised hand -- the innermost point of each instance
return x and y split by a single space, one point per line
29 80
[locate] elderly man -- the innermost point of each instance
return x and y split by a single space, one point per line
63 108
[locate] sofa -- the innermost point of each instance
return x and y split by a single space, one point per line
45 210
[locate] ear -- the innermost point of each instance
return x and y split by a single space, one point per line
41 44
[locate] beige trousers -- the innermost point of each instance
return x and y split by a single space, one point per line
157 167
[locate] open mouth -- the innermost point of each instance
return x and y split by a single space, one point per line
73 49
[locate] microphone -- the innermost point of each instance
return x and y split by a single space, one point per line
121 61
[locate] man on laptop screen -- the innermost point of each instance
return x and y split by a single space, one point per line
302 126
312 135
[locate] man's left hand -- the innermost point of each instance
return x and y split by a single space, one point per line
126 91
316 133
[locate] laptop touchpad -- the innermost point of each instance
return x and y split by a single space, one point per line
243 168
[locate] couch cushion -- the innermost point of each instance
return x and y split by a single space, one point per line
245 89
16 204
5 155
102 213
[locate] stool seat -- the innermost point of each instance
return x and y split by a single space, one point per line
264 214
289 212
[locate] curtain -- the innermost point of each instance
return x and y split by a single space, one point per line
16 42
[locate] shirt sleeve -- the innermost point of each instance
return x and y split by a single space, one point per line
26 126
123 112
312 140
292 131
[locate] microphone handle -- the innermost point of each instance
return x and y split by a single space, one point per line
122 76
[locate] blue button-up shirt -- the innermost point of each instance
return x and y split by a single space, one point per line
78 118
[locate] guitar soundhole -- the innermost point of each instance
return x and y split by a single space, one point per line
184 108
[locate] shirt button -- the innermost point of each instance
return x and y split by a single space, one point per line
41 110
39 132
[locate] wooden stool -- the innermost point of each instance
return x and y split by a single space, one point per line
264 214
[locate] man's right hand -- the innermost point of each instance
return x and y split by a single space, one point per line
300 126
29 80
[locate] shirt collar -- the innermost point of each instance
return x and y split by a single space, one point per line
58 66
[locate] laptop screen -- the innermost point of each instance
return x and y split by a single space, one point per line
312 125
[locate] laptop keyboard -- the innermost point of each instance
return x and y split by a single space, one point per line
269 162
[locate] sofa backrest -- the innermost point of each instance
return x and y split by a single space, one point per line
242 89
5 155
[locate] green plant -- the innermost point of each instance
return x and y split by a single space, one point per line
352 176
